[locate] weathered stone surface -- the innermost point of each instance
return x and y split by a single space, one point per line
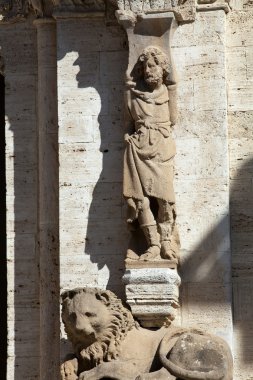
153 294
21 193
148 160
93 239
105 338
240 103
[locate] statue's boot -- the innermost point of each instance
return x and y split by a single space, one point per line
153 240
169 241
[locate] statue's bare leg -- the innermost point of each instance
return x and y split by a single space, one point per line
149 227
167 229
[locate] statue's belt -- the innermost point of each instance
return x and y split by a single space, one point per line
143 125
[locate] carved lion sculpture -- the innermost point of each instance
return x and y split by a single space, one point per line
109 344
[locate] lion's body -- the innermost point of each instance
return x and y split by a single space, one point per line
109 344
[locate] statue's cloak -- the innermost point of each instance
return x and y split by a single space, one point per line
148 160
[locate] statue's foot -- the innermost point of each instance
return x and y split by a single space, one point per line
169 250
131 255
151 253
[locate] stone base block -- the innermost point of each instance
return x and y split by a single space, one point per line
152 294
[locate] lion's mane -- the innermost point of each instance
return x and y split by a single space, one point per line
106 349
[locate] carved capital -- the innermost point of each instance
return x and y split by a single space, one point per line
128 10
184 10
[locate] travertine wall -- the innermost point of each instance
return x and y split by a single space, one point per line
240 120
92 60
21 177
201 173
214 140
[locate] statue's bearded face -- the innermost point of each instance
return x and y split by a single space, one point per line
153 73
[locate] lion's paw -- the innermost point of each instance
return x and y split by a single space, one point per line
68 371
88 375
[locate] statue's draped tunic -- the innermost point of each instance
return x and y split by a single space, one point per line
148 166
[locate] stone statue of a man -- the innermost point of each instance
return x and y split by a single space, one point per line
148 162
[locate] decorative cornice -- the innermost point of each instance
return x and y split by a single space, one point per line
184 10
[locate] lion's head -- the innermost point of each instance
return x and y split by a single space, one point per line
95 322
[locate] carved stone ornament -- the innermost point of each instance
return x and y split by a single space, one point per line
184 10
152 293
108 343
148 162
18 10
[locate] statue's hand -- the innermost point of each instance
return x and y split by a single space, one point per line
127 137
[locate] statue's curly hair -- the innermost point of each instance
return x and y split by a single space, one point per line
160 59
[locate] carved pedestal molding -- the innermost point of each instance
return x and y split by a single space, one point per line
152 294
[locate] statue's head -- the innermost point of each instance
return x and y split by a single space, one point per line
95 321
153 66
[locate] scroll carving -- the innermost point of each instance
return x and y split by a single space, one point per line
148 163
108 343
184 10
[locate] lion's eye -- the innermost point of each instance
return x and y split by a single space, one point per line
88 314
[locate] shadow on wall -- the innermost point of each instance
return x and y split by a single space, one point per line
106 237
21 178
103 70
3 256
206 273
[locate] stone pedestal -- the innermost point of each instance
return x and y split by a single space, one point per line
152 291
